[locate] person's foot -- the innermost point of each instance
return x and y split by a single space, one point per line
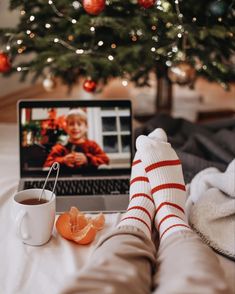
164 171
141 210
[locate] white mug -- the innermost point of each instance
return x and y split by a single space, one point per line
34 223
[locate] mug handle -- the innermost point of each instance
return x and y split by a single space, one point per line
19 220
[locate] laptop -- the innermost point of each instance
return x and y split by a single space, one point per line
95 161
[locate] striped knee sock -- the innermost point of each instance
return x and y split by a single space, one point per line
164 172
141 209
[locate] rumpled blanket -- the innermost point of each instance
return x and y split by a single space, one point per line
199 146
211 208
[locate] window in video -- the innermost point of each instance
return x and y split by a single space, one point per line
80 139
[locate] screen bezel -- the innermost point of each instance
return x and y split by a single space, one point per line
72 104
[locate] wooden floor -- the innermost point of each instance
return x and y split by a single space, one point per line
213 95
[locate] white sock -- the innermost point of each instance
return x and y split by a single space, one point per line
164 172
141 208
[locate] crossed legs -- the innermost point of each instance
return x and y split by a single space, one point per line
125 260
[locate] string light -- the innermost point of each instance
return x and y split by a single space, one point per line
19 42
32 35
220 19
8 47
168 63
155 38
125 83
70 37
194 19
153 49
100 43
110 57
19 68
204 67
49 59
79 51
154 28
113 46
76 5
47 25
32 18
92 29
181 55
22 12
56 40
28 32
139 32
73 21
179 35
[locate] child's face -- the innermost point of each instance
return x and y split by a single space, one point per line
76 127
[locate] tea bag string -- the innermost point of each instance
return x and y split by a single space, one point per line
55 166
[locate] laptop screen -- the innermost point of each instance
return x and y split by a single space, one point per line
85 137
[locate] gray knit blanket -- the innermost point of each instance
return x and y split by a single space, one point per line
210 208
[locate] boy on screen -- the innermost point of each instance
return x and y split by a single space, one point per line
79 152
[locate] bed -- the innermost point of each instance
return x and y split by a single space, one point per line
27 269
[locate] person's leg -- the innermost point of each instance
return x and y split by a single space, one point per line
185 264
123 262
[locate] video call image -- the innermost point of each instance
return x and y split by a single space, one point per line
80 139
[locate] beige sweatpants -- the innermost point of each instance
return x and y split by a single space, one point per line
125 261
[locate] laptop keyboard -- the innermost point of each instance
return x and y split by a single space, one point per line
84 187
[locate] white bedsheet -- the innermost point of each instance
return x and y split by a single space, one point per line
26 269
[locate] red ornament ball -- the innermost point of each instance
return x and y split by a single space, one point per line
5 64
94 7
146 3
89 85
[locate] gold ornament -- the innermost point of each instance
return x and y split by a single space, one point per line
182 73
49 83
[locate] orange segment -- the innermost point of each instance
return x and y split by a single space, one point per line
63 226
98 221
82 221
86 235
73 212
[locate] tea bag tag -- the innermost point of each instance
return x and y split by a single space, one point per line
55 166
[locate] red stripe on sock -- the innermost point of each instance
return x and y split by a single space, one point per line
136 162
139 219
140 208
170 204
165 218
173 226
139 179
168 186
161 164
142 195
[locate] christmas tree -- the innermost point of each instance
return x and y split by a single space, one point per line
98 40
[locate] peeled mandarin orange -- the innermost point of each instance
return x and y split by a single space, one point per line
74 225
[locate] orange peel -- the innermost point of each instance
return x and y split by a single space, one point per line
76 226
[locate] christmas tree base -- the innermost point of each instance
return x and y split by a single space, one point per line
164 95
